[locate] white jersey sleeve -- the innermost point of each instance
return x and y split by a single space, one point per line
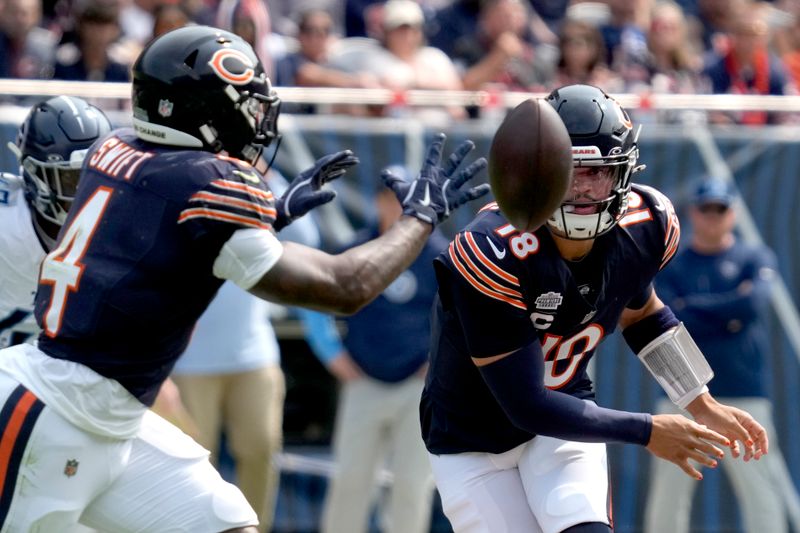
20 256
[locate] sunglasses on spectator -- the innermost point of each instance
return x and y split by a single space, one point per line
716 209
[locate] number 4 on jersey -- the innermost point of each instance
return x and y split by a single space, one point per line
62 268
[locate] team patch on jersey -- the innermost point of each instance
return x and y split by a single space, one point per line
482 273
232 202
549 301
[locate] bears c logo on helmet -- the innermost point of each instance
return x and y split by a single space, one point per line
233 66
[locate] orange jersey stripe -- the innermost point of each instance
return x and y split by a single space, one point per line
236 186
487 262
475 283
202 212
235 202
11 432
477 271
491 206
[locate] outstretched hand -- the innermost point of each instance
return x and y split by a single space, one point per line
677 439
436 192
305 192
737 425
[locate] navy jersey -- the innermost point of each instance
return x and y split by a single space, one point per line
500 290
132 271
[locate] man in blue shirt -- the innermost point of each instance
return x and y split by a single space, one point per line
719 287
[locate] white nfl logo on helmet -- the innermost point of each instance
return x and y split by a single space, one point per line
165 108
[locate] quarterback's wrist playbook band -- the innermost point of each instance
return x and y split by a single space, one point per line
671 356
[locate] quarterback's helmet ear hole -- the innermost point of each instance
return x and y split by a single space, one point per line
191 59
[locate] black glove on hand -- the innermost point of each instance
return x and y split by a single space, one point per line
435 193
305 193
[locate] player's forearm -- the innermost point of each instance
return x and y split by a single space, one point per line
342 283
517 382
363 272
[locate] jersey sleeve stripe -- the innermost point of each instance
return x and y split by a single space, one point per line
672 247
462 253
491 206
223 200
671 240
241 187
224 216
477 285
480 256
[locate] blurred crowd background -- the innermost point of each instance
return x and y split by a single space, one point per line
631 46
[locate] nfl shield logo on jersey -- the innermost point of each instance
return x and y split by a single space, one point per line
165 108
71 468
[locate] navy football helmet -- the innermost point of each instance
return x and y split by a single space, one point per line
51 145
204 88
604 154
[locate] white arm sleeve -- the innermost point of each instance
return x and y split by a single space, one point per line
247 256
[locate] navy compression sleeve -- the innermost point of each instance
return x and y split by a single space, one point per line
517 382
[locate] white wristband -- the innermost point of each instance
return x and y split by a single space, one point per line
678 365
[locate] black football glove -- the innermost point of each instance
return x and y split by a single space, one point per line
435 193
305 192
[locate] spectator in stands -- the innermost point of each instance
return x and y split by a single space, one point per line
26 50
307 67
497 54
249 19
381 369
716 19
452 22
551 12
137 18
230 380
168 17
200 12
674 60
356 14
415 66
92 57
786 39
625 37
582 58
719 287
402 61
748 67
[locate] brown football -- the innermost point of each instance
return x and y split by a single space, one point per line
530 164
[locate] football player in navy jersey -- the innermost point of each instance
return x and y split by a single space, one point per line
163 215
515 439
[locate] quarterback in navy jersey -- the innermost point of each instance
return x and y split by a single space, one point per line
164 213
508 415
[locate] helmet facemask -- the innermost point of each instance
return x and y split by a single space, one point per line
603 137
261 112
51 185
598 196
